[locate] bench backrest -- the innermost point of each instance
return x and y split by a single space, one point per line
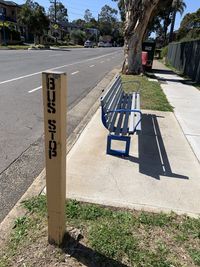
111 100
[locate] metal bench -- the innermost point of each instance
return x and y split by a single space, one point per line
121 114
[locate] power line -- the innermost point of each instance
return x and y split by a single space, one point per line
73 13
86 5
81 9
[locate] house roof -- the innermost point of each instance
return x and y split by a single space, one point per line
8 3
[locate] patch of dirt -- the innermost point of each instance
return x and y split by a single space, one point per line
74 253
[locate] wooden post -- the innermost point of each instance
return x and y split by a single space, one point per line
54 98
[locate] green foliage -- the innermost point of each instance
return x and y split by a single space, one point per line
195 255
61 13
190 227
78 37
113 239
33 16
190 27
36 204
138 239
21 229
87 16
10 31
108 14
16 47
164 52
75 210
107 20
152 96
154 219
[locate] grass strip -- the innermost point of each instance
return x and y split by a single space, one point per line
102 236
15 47
152 96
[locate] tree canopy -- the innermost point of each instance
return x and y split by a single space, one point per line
58 13
190 26
88 15
33 16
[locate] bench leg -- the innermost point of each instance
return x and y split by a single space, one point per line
110 151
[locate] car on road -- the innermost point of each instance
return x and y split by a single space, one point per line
88 43
107 44
101 44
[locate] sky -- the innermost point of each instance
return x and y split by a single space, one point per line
76 8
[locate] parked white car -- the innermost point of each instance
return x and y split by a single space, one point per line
107 44
101 44
89 43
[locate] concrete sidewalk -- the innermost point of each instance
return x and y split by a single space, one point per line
161 174
186 102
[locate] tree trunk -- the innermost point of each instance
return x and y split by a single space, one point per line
35 39
138 15
132 51
172 27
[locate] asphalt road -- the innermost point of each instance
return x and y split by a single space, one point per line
21 116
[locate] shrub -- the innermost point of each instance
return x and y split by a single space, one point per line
164 52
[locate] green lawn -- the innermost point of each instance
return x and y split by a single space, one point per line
152 96
103 236
17 47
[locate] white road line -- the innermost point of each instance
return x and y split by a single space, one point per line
92 66
19 78
73 73
35 89
55 68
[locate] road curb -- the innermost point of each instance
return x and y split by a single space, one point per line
39 183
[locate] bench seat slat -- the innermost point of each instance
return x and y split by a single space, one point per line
121 116
111 90
113 106
110 104
115 115
135 116
126 116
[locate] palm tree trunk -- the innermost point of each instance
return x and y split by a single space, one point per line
172 27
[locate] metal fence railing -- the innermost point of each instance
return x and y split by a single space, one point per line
185 57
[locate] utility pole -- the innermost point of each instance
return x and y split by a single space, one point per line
55 11
55 14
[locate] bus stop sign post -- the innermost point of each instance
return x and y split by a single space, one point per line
54 86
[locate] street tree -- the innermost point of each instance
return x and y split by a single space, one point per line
177 6
80 23
78 37
58 13
33 16
107 20
190 26
138 15
87 16
108 14
159 25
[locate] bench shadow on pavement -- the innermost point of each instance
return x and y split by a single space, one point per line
153 160
86 255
